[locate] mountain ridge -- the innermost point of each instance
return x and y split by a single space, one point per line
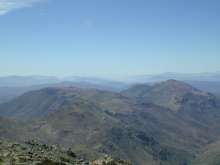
96 122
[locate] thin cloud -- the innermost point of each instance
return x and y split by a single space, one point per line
7 6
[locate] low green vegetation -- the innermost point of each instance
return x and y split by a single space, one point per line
33 153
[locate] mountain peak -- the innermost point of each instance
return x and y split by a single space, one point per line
174 86
169 87
175 82
173 94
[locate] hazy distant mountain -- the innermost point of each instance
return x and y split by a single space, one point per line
209 86
168 122
15 81
13 86
177 76
209 82
8 92
23 81
99 83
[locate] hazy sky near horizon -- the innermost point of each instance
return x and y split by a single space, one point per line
108 37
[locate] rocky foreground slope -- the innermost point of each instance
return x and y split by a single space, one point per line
33 153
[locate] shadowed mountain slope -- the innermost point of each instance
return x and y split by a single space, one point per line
210 155
37 104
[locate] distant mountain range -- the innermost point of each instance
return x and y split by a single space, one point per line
21 81
27 81
13 86
167 123
15 81
209 82
214 77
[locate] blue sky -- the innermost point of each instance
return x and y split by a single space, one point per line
108 37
